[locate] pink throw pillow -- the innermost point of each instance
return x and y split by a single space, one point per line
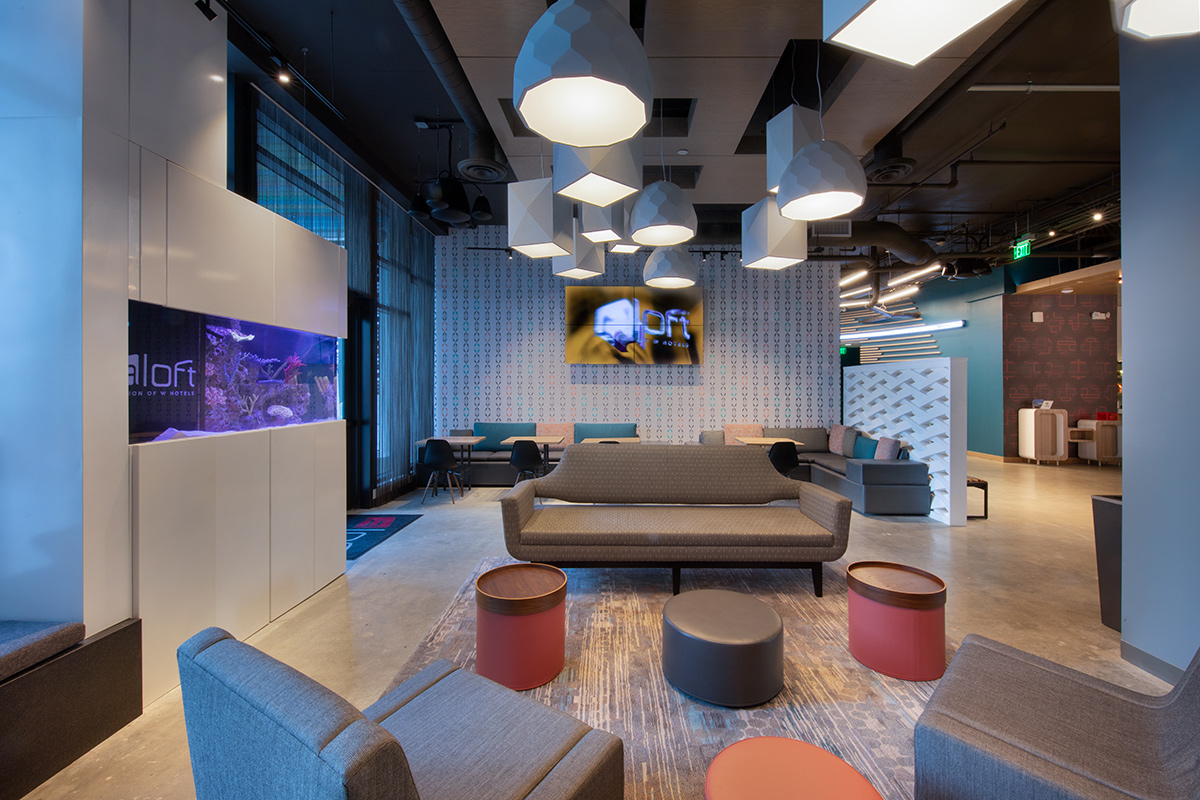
841 440
563 429
736 429
887 448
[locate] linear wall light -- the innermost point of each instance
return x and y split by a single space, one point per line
896 295
911 276
904 31
854 292
853 277
890 332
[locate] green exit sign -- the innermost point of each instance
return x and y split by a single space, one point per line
1022 249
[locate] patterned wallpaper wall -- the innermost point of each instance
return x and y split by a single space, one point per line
1069 357
770 346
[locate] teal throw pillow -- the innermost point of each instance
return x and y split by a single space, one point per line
496 432
604 430
864 447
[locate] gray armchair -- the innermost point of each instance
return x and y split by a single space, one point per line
258 728
1006 724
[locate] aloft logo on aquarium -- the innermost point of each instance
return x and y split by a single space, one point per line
161 379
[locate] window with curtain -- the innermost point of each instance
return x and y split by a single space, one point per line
389 272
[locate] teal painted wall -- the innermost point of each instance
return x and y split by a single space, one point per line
979 301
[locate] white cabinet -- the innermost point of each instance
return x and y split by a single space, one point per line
232 530
1042 434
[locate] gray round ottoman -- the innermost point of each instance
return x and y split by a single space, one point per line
725 648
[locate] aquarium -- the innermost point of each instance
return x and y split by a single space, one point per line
201 373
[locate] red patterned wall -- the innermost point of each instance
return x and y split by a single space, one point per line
1069 357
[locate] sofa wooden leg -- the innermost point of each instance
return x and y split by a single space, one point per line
817 576
675 580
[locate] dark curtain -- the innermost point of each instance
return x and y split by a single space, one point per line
390 288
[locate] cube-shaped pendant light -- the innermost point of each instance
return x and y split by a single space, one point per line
539 221
770 240
904 31
599 176
1156 19
624 247
787 132
587 260
582 77
605 224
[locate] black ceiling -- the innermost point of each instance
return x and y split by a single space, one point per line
985 165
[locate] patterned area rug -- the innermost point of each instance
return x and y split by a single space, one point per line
613 678
364 531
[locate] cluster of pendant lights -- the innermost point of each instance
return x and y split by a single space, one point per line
582 81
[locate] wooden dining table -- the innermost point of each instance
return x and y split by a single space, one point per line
764 441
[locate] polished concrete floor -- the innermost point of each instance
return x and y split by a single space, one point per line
1026 576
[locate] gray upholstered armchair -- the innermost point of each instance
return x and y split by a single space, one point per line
1006 724
259 729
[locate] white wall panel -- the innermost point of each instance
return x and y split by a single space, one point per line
242 535
220 249
107 576
293 474
41 59
343 320
329 493
924 404
41 511
153 222
310 281
134 222
106 64
175 515
176 108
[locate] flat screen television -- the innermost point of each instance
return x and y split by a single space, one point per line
634 325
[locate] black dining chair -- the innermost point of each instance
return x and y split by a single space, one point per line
783 457
526 459
439 457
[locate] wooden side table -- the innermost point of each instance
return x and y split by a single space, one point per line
520 624
897 619
782 769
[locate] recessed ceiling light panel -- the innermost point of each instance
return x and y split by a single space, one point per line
904 31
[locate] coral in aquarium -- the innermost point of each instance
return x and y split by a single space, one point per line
246 390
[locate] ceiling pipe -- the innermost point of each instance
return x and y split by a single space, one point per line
487 162
888 235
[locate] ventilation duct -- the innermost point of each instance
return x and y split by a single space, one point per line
963 268
486 161
888 163
888 235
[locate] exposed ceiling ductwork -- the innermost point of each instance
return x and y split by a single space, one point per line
888 235
486 163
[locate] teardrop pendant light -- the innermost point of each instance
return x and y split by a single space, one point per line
670 268
823 180
582 77
662 216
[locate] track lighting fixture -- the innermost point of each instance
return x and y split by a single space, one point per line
205 7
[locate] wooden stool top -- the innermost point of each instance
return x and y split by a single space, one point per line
782 769
896 584
519 589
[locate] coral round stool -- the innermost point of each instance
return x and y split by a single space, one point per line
897 619
520 624
774 768
722 647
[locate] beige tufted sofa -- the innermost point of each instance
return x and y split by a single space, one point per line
674 506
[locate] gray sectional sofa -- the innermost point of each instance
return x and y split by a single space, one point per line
674 506
887 486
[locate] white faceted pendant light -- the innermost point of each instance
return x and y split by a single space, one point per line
605 224
1157 19
624 247
662 216
904 31
787 132
670 268
598 175
582 77
823 180
539 221
769 240
587 260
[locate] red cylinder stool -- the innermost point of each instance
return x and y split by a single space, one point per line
774 768
520 624
897 620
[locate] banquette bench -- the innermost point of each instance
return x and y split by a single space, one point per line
674 506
